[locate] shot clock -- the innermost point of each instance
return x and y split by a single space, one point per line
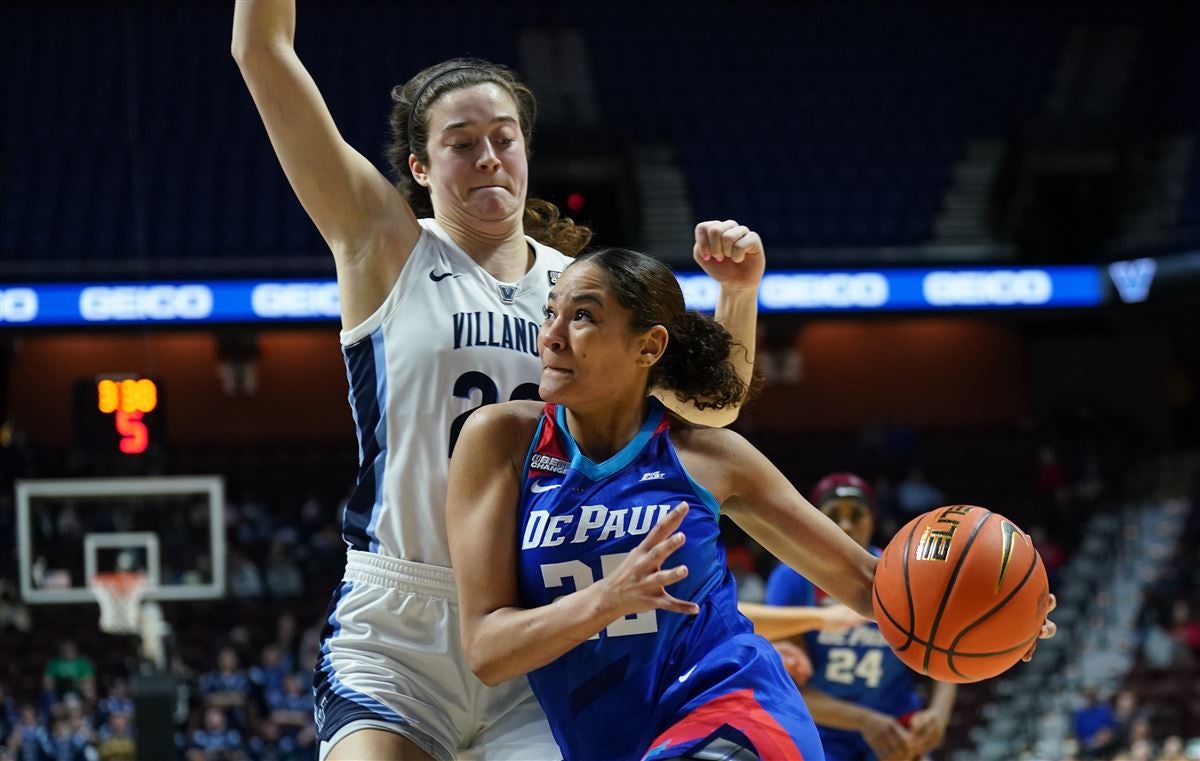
117 414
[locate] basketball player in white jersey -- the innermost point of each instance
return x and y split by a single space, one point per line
439 317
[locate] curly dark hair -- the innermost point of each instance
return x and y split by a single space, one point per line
409 124
695 364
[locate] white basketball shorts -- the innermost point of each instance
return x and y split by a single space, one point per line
391 659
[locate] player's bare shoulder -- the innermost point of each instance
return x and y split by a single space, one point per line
715 457
703 440
508 426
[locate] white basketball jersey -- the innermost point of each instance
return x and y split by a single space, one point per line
447 339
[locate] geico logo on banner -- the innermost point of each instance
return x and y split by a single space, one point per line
988 288
699 292
146 302
18 305
836 290
295 300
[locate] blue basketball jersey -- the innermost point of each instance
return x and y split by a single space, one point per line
855 665
614 696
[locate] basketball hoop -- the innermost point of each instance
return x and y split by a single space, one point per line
120 595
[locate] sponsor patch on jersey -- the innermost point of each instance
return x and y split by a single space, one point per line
553 276
548 464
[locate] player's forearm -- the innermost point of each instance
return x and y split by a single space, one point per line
942 698
828 711
813 545
260 24
776 622
511 642
737 311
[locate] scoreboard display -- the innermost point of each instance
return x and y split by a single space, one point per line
117 414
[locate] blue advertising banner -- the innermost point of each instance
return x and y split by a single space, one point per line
250 301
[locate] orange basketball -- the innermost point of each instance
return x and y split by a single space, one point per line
960 593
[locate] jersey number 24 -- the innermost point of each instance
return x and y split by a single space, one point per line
846 664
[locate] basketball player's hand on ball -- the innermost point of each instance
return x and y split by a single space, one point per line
795 662
1049 629
639 583
730 253
888 737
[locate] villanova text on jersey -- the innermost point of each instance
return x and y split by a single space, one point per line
614 696
495 329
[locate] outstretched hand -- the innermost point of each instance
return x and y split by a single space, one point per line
730 253
639 583
1049 629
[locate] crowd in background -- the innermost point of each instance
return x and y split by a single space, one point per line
244 663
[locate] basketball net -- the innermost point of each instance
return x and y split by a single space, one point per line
120 594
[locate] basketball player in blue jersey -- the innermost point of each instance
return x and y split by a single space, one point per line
567 521
440 315
861 695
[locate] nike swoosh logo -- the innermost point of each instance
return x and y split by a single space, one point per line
439 278
537 487
684 678
1007 531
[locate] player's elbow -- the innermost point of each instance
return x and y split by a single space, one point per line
486 668
482 660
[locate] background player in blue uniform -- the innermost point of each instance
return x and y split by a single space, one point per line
860 694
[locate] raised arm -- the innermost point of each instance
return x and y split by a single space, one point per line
500 638
364 219
733 255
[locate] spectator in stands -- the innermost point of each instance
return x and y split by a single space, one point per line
1172 750
292 711
268 675
1095 727
1050 479
1127 712
245 582
227 688
283 576
1165 647
117 701
270 745
1185 628
25 739
287 637
1053 556
67 671
116 740
69 741
215 741
77 714
9 716
916 495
